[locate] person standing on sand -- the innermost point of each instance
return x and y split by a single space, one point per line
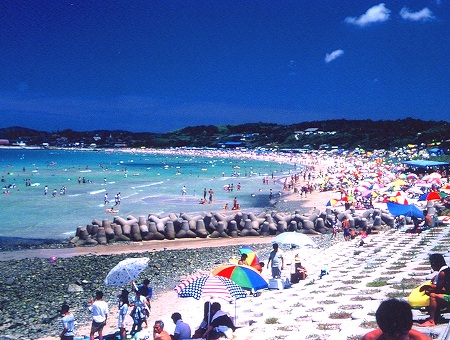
346 228
68 323
276 261
99 310
123 311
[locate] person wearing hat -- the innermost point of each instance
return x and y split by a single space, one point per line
68 323
300 271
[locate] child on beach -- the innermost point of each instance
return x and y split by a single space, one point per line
123 311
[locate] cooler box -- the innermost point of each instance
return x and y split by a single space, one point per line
276 284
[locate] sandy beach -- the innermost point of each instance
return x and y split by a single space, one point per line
339 306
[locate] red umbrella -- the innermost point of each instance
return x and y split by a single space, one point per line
432 195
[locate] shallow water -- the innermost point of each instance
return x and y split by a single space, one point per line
148 183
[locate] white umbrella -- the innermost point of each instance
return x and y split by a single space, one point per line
126 271
294 239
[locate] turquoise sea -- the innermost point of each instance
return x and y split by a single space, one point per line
148 184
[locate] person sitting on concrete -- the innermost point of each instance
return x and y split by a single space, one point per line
439 288
300 272
394 319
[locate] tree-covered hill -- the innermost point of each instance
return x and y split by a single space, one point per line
347 134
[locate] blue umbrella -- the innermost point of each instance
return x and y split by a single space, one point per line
404 209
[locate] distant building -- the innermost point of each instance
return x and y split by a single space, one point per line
231 144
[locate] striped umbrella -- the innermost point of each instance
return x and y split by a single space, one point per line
210 287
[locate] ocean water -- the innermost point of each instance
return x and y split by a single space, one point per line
148 184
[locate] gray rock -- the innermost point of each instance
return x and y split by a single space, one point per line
74 288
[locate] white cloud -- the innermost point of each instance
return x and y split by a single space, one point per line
378 13
423 15
333 55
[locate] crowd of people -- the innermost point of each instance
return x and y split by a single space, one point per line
215 324
394 317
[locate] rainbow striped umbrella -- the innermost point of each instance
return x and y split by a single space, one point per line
252 258
244 276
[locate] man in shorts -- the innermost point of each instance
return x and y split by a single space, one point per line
99 310
276 261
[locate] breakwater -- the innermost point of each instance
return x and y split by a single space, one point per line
216 225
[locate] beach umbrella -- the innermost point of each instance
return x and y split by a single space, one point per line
210 287
376 186
252 258
293 238
412 176
245 276
399 200
332 202
430 196
415 190
442 194
398 183
404 209
126 271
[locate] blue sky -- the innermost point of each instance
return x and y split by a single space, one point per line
157 66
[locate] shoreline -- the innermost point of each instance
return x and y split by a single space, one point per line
287 202
62 248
